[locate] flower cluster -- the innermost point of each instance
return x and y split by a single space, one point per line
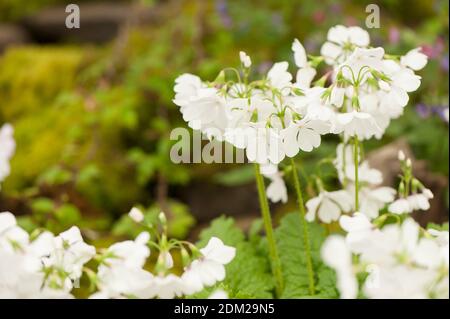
400 260
49 266
7 148
278 116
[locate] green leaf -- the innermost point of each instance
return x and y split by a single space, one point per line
248 275
293 260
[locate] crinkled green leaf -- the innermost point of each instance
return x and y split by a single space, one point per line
248 275
293 259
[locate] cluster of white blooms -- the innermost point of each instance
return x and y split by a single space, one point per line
51 266
278 116
47 267
7 148
373 198
328 206
401 260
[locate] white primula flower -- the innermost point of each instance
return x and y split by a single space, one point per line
186 86
7 148
337 96
344 164
279 77
62 257
341 42
245 59
12 237
276 191
303 135
336 254
263 144
371 201
402 81
442 236
398 282
300 57
417 201
204 109
328 206
358 65
414 59
120 275
218 294
136 215
208 269
304 77
356 123
358 228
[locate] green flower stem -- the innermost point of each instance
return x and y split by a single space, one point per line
356 163
306 242
276 263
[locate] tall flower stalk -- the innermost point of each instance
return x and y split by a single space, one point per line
356 163
306 241
273 252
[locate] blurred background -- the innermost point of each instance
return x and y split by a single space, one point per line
92 107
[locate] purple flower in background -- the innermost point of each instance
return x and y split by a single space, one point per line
442 111
444 63
264 67
222 10
277 20
423 110
394 35
434 51
335 8
311 45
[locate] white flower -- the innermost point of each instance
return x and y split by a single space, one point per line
136 215
209 269
168 287
337 96
276 191
186 86
303 135
371 201
131 253
7 148
414 59
121 274
357 66
417 201
328 205
245 59
264 145
279 77
403 81
301 60
12 237
218 294
398 282
62 257
341 41
401 155
205 108
304 77
358 124
336 254
442 236
358 228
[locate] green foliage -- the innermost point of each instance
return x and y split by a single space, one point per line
248 275
180 221
291 250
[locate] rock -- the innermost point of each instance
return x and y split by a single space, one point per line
386 160
99 22
11 34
